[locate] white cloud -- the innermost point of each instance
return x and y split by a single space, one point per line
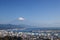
21 19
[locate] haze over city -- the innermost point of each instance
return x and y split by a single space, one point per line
43 13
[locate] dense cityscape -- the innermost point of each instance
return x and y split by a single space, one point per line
40 35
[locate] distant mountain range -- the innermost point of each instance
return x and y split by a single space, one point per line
28 27
10 26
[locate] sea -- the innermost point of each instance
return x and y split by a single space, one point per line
32 29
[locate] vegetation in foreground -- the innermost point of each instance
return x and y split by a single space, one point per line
10 38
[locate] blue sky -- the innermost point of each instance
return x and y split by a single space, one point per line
40 12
